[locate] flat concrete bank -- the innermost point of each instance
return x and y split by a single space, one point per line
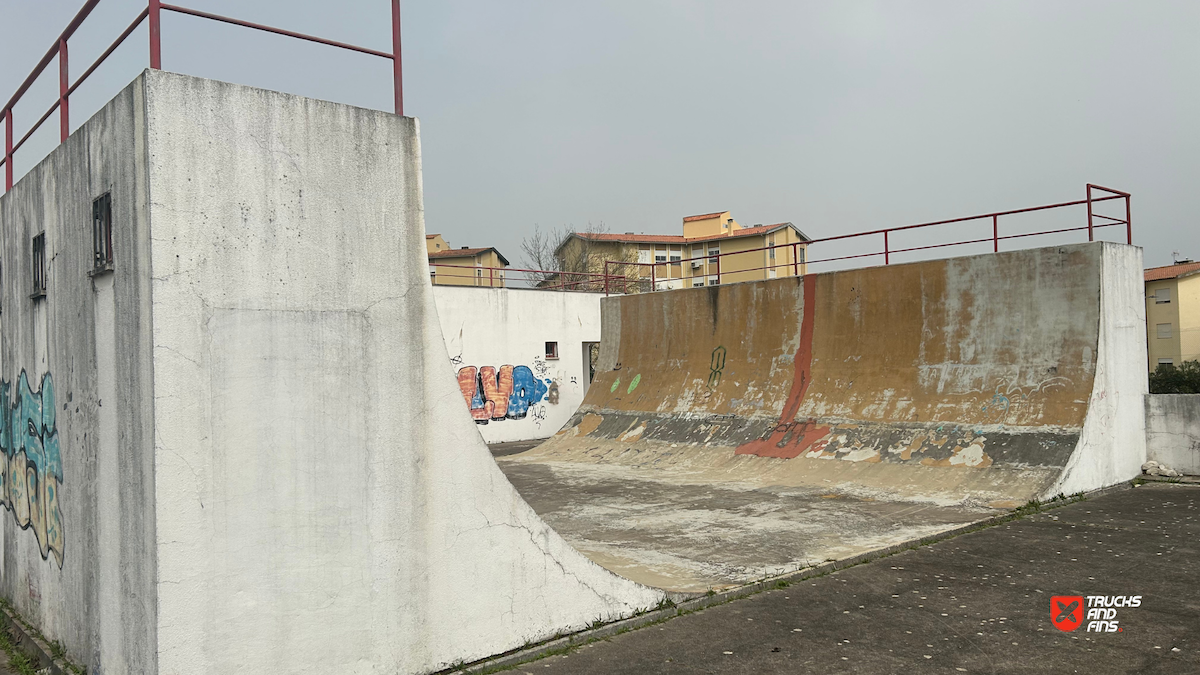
979 602
1173 431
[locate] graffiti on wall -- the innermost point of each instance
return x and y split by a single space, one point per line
31 462
505 394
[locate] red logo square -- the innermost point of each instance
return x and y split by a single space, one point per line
1066 611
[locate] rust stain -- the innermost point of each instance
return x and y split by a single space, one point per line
790 438
915 446
588 424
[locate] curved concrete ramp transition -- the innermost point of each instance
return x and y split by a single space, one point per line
877 404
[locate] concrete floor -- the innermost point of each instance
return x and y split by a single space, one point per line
694 537
976 603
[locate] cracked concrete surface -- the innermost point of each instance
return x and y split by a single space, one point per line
977 603
692 537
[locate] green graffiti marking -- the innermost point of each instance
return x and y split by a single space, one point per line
615 385
716 367
634 383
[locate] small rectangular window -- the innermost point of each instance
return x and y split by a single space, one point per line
552 350
1166 362
712 281
1162 296
39 266
699 283
1164 330
102 248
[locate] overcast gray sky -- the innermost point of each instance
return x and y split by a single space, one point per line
837 116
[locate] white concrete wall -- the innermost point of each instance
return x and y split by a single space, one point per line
1112 444
500 327
324 502
78 541
1173 431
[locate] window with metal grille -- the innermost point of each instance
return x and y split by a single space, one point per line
102 248
39 266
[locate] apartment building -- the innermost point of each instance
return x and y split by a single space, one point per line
1173 313
449 266
712 249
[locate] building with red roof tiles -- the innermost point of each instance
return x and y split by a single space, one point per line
1173 313
449 266
712 249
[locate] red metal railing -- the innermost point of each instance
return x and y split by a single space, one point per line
153 12
514 277
711 263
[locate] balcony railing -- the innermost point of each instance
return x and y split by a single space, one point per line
647 277
153 14
442 274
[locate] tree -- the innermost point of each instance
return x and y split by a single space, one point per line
1181 379
573 263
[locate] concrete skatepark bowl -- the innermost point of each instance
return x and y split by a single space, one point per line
248 452
743 431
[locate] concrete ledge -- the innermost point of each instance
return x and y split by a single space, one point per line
33 646
688 604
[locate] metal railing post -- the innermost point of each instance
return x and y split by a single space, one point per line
8 150
606 278
653 278
1128 223
795 261
1089 209
887 256
64 83
155 15
995 234
397 71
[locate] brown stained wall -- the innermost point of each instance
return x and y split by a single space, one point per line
1004 339
670 342
1007 339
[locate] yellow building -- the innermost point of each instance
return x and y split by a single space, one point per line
1173 313
713 249
463 266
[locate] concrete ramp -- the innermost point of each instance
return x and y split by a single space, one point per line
948 387
266 463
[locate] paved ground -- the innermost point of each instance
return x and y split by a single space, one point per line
978 603
692 537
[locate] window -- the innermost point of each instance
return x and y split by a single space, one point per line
713 251
1164 330
660 254
698 283
676 255
1162 296
712 281
1166 362
771 274
102 248
644 256
39 266
800 254
771 242
552 350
